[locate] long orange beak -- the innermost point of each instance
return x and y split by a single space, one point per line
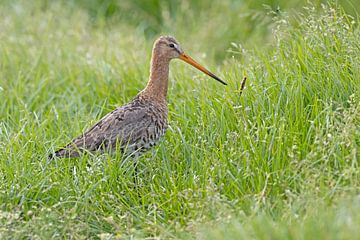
189 60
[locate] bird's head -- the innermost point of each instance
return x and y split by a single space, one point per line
168 47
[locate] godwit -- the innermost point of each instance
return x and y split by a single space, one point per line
138 125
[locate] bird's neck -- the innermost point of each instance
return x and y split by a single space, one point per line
158 82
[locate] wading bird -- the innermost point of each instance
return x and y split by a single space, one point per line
138 125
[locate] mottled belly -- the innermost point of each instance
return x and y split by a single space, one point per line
151 137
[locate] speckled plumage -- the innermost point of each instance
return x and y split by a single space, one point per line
138 125
133 129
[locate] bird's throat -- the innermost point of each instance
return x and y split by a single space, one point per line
159 74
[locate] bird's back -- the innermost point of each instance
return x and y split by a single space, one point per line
132 128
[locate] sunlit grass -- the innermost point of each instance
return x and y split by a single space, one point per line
280 161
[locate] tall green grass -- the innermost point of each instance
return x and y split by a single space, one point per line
278 162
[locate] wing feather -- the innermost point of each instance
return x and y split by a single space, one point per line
125 126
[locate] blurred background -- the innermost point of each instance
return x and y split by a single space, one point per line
210 25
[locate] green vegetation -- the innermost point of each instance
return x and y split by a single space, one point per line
279 162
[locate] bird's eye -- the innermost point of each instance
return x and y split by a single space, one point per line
171 45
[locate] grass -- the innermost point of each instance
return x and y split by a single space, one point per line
279 162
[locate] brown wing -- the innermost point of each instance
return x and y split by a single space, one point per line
124 126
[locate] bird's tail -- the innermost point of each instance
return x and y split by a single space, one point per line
66 152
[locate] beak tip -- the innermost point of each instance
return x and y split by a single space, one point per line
192 62
221 81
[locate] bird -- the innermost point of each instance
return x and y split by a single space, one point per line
138 125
